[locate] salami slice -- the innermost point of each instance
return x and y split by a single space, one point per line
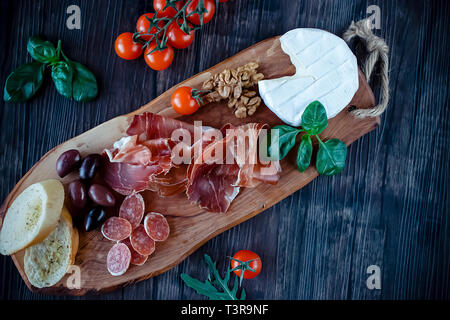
156 226
132 209
136 258
141 242
118 259
116 229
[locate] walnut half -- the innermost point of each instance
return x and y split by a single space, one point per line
233 85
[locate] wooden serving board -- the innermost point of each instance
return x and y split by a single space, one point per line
190 226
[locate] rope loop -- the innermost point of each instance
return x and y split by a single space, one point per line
378 52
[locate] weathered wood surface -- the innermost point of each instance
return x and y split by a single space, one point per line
388 207
190 225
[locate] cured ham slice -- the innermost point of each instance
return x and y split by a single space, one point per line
142 160
214 185
151 126
220 161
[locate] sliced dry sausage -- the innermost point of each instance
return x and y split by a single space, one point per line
116 229
136 258
141 242
118 259
156 226
132 209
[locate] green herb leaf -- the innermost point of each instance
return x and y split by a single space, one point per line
23 83
304 153
331 157
215 288
314 118
84 84
40 50
62 75
286 141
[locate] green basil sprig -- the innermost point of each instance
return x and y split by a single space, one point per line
24 82
332 153
71 79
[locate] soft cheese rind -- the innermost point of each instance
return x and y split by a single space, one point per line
326 70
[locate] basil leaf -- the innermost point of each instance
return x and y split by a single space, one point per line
304 153
286 141
62 75
40 50
331 157
84 85
23 83
314 118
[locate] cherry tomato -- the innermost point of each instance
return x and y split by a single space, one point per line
183 102
143 24
223 0
170 11
158 60
126 48
207 16
244 256
177 38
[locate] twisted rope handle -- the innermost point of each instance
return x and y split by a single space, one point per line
378 52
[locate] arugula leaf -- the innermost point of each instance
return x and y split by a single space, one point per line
286 141
23 83
304 153
62 75
214 287
314 118
331 157
40 50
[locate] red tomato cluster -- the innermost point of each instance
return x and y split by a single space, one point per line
129 47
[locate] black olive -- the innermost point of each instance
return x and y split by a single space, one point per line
67 162
90 166
95 217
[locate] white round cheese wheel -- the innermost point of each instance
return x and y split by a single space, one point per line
326 71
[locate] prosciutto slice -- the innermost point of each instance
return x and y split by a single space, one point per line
142 160
214 185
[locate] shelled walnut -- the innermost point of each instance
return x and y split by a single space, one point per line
233 85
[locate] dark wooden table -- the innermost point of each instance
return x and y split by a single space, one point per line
388 208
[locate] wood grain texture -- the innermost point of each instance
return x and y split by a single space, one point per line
389 207
190 225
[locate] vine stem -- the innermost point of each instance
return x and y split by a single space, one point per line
169 21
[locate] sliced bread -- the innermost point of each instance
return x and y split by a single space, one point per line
48 261
32 216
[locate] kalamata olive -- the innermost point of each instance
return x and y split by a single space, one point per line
78 194
95 217
90 166
67 162
101 195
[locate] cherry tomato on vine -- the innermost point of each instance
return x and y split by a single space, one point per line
210 6
244 260
170 12
143 24
177 38
126 48
158 60
183 100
